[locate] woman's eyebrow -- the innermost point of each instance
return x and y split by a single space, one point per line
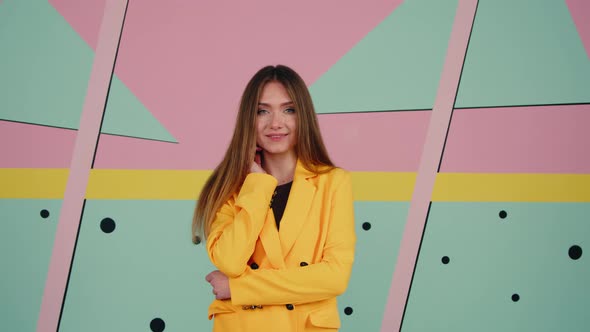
289 103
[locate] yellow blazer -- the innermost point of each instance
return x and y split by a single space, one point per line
285 280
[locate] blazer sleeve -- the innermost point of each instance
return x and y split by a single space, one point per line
237 224
325 279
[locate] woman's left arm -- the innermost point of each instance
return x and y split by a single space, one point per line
325 279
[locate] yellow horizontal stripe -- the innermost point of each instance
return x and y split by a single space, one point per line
145 184
383 186
367 186
170 184
49 183
480 187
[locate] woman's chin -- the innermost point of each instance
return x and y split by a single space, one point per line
277 152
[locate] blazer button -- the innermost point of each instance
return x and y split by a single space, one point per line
289 306
254 266
303 264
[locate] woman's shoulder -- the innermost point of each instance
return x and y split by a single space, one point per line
335 174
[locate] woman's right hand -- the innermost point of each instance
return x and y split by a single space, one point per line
256 166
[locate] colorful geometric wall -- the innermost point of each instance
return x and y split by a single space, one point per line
465 124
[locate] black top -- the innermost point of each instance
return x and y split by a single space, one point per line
279 201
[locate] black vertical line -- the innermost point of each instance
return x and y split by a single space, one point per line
92 166
110 83
457 90
415 265
417 258
63 301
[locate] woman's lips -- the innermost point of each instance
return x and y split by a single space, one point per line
276 137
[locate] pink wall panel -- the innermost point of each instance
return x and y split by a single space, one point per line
385 141
549 139
188 63
382 142
32 146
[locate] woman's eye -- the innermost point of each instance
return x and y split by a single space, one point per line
262 112
290 110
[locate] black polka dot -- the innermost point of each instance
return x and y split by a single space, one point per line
197 240
446 260
303 264
348 311
289 306
157 325
575 252
515 297
254 266
107 225
503 214
366 226
44 214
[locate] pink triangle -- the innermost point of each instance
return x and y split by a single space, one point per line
84 17
189 61
580 12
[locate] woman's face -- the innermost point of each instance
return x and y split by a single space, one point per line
276 121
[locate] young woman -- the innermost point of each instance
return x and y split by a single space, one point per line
277 216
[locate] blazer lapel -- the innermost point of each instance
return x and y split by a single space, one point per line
297 209
271 243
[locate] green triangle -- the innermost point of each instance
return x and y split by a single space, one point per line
44 68
524 52
397 66
125 115
44 72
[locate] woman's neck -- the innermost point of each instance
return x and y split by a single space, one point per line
282 166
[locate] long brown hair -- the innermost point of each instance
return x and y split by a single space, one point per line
229 175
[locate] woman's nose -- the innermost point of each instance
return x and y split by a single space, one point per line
276 121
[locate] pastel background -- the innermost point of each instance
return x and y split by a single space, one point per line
465 123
